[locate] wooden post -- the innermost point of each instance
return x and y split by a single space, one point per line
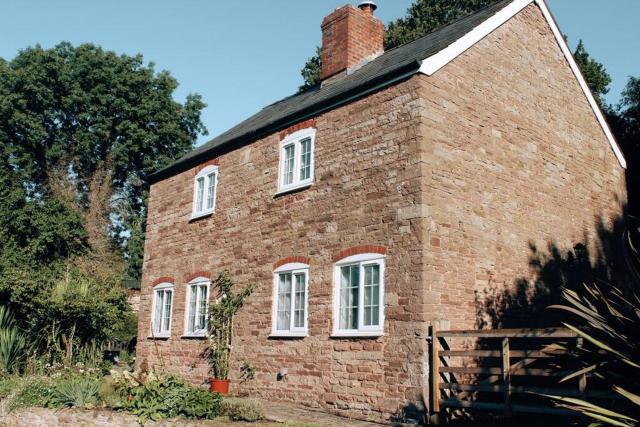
582 380
506 376
434 381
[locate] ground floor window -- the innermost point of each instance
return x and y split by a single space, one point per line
162 303
291 283
358 295
197 307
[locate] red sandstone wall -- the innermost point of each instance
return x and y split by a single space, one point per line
513 155
364 193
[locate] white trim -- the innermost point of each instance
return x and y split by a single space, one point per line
363 331
293 268
165 286
197 281
435 62
296 138
204 173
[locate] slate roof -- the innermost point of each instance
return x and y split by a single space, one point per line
392 66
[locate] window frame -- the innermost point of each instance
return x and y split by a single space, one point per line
197 282
361 260
300 332
296 139
204 174
164 287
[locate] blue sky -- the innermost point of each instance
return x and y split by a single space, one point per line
242 55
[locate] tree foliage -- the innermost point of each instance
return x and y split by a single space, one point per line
81 130
594 73
85 127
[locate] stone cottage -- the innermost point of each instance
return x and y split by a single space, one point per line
380 200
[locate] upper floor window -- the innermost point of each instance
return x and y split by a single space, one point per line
197 307
204 192
162 303
296 160
291 289
358 296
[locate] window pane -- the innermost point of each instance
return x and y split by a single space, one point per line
289 155
298 319
371 295
202 307
305 159
211 189
199 193
157 315
167 310
349 293
284 302
192 309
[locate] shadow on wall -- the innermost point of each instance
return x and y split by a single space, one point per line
524 302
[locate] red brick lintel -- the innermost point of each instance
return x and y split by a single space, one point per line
311 123
196 274
214 162
164 279
357 250
290 259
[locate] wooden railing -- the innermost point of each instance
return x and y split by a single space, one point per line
500 370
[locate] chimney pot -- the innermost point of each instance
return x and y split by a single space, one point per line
368 6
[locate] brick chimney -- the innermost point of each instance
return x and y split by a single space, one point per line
350 37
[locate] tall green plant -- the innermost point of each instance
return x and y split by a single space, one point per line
220 327
12 342
607 317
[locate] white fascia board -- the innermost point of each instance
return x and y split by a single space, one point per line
435 62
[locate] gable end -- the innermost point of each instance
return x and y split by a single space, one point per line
435 62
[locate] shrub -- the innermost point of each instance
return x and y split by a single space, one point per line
242 410
37 391
77 392
168 397
110 393
7 385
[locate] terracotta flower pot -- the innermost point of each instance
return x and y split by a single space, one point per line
219 386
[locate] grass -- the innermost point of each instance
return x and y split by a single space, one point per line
7 385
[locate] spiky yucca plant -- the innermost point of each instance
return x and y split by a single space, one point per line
12 342
610 324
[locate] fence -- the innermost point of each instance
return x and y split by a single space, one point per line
502 370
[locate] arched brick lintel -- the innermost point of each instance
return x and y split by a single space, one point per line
163 279
196 274
357 250
290 259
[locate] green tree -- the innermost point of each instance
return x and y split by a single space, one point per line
85 127
594 73
421 18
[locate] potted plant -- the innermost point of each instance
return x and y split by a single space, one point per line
220 329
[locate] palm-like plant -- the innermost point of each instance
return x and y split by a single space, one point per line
12 342
609 322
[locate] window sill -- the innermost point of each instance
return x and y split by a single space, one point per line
289 334
357 334
293 189
194 336
159 337
202 214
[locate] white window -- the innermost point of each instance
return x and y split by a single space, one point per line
196 314
296 160
290 307
162 302
204 192
358 296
